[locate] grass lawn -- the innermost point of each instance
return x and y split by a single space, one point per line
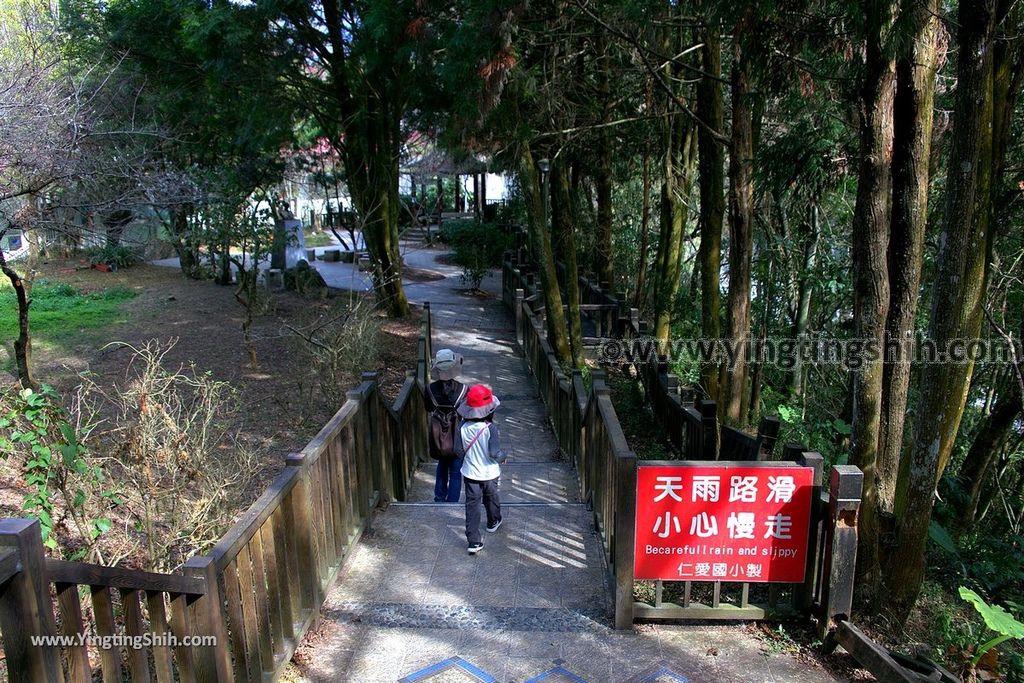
60 312
317 239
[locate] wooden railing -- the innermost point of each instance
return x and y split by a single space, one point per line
588 432
256 592
691 424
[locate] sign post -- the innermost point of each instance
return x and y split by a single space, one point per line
722 521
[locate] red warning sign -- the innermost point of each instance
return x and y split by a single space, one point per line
722 522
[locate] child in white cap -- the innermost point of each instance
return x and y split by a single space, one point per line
444 395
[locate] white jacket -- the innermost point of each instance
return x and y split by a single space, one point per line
480 460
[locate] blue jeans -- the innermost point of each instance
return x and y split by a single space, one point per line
448 484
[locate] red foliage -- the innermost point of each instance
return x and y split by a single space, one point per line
416 28
502 63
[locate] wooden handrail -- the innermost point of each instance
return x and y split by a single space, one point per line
588 431
314 448
259 589
9 565
62 571
242 531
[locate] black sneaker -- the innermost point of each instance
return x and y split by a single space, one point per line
474 548
492 529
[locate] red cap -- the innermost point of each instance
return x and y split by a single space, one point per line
479 396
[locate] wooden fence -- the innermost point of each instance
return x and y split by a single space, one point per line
588 431
691 425
260 588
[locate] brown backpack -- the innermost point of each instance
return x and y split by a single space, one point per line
443 421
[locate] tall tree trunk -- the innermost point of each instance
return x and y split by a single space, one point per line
870 269
541 241
605 265
645 224
990 494
801 323
912 123
372 111
756 376
679 160
989 437
712 200
23 344
563 221
372 170
957 300
741 225
184 242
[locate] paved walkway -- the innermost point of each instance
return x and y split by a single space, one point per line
534 604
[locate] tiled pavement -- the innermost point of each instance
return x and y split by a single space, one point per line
534 605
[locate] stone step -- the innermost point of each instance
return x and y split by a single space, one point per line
521 482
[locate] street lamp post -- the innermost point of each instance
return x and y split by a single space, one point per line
545 176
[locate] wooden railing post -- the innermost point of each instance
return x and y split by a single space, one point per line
577 417
840 551
803 595
378 443
357 453
767 434
625 533
709 429
517 311
299 521
430 335
25 607
215 661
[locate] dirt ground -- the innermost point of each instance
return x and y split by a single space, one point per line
280 409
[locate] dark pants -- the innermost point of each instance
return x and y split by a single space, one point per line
488 492
448 480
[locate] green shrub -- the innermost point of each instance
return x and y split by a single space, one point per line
118 255
64 485
478 248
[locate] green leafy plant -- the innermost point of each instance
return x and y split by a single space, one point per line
61 477
115 254
478 248
996 619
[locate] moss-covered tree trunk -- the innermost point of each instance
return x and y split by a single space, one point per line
605 262
711 171
802 320
870 267
741 226
23 344
184 241
679 160
912 123
370 103
957 300
540 239
989 439
563 221
645 224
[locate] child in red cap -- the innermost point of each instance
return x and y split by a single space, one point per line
479 445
